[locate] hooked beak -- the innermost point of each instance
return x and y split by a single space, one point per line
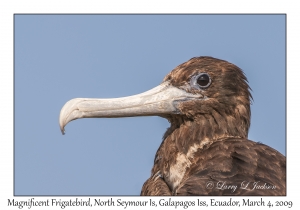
159 101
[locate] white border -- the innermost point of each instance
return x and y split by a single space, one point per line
9 8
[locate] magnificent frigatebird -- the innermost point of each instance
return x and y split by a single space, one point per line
205 151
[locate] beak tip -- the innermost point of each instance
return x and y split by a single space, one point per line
62 129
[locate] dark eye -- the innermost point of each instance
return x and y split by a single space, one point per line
203 80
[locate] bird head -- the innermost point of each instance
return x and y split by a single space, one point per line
210 92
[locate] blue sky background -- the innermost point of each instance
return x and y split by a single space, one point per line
60 57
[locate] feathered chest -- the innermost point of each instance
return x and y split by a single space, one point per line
174 165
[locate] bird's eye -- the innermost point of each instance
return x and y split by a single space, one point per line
203 80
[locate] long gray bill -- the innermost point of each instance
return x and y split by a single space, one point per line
158 101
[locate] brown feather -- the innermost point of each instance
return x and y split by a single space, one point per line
207 143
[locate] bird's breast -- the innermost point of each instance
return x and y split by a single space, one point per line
177 170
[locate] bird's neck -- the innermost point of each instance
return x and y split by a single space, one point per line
185 137
185 133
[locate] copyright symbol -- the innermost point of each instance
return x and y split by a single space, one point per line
209 185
